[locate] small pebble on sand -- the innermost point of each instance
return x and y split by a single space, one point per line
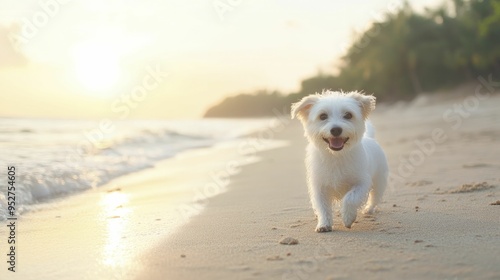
275 258
473 187
289 241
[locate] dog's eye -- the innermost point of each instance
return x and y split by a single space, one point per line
348 116
323 116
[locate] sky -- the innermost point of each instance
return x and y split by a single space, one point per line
167 58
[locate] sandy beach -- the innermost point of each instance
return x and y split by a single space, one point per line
437 220
154 139
432 224
102 233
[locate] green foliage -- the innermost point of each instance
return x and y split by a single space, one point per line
247 105
404 55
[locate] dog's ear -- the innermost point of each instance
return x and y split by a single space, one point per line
366 102
301 109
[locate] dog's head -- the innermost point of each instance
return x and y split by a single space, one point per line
334 121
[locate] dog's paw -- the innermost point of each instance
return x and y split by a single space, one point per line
369 210
348 218
320 228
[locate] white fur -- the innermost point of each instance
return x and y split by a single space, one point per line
358 170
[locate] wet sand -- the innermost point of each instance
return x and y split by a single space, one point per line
426 228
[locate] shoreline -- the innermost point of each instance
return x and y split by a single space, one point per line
100 233
424 229
436 223
76 161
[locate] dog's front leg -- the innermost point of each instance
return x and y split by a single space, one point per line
322 205
351 202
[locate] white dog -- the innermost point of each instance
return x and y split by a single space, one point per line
343 162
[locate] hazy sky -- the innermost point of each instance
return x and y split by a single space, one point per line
165 58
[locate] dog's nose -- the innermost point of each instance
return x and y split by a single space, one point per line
336 131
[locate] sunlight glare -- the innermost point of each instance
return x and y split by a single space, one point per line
117 222
97 67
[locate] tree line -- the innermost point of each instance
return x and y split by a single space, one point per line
406 54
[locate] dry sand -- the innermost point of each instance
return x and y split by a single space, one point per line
427 227
440 218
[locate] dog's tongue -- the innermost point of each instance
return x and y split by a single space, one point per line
336 143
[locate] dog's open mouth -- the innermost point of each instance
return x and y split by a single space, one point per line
336 143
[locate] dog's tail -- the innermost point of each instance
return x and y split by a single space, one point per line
369 130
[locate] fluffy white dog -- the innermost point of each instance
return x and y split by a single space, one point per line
343 160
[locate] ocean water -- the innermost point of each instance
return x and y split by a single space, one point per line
57 158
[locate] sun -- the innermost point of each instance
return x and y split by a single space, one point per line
97 67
